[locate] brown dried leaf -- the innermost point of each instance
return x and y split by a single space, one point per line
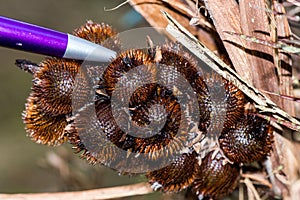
182 11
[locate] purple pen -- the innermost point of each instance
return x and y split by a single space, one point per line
28 37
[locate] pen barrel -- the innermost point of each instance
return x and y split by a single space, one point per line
27 37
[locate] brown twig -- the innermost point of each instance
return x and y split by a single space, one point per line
103 193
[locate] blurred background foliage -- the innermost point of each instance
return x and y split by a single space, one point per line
24 165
